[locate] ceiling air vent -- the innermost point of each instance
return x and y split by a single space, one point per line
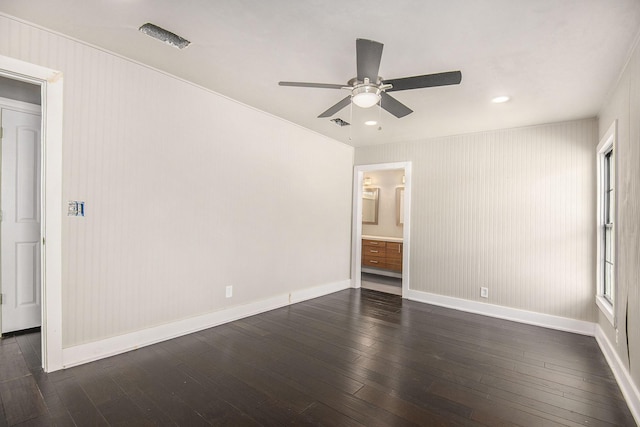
340 122
164 36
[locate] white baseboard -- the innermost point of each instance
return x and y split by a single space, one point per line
318 291
96 350
625 382
523 316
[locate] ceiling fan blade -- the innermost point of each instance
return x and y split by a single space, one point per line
368 55
337 107
304 84
427 80
394 106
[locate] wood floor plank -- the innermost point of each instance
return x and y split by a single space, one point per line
559 405
21 400
320 414
3 415
172 405
58 413
247 400
351 358
260 380
122 411
490 409
12 362
410 411
80 407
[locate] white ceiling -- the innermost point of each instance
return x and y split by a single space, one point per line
556 59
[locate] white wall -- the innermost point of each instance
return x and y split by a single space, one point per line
624 105
512 210
387 181
186 192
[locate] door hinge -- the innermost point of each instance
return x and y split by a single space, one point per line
1 132
1 301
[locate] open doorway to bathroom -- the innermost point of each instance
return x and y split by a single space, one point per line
381 223
382 226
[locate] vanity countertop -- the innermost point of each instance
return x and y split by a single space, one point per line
386 239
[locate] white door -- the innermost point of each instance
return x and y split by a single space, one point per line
20 230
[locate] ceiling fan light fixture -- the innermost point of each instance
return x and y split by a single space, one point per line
365 96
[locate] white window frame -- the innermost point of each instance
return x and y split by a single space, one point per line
607 144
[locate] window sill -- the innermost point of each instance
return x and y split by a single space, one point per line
606 308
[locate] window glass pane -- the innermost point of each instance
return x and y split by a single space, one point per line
608 170
608 246
608 281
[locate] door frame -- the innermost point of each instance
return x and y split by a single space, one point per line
50 82
356 239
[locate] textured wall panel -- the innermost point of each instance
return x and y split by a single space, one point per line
186 192
512 210
631 211
624 106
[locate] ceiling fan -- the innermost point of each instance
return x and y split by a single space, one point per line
368 88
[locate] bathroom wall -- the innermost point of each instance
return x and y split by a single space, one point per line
387 181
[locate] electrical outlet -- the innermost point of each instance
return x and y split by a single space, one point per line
484 292
229 291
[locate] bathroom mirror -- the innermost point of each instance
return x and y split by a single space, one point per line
400 205
370 205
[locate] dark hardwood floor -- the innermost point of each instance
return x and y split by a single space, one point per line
353 358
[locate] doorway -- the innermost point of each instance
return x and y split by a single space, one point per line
50 83
381 227
20 207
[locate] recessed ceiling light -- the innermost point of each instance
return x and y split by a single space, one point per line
500 99
370 123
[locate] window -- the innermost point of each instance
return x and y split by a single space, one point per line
607 227
606 215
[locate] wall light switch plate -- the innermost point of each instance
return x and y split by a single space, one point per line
229 292
484 292
75 208
72 208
